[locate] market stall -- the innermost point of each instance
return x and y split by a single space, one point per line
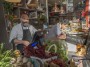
45 49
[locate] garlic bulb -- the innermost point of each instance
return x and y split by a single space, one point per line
13 60
25 60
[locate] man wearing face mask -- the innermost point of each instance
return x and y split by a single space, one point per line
21 34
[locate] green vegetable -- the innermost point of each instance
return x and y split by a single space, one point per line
6 59
8 7
5 56
60 48
1 48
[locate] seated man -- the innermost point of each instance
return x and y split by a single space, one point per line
21 34
26 38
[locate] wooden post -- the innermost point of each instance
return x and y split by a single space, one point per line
47 11
4 38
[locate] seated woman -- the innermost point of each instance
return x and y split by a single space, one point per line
57 35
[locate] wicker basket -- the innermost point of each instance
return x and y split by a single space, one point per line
33 4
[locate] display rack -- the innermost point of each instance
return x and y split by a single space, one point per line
60 17
33 15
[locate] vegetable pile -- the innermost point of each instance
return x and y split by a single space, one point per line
58 47
5 56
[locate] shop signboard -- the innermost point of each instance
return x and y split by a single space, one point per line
69 5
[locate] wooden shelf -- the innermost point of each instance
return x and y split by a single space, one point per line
55 12
33 19
29 18
27 9
31 10
60 16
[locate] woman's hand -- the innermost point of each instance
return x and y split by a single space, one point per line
62 36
